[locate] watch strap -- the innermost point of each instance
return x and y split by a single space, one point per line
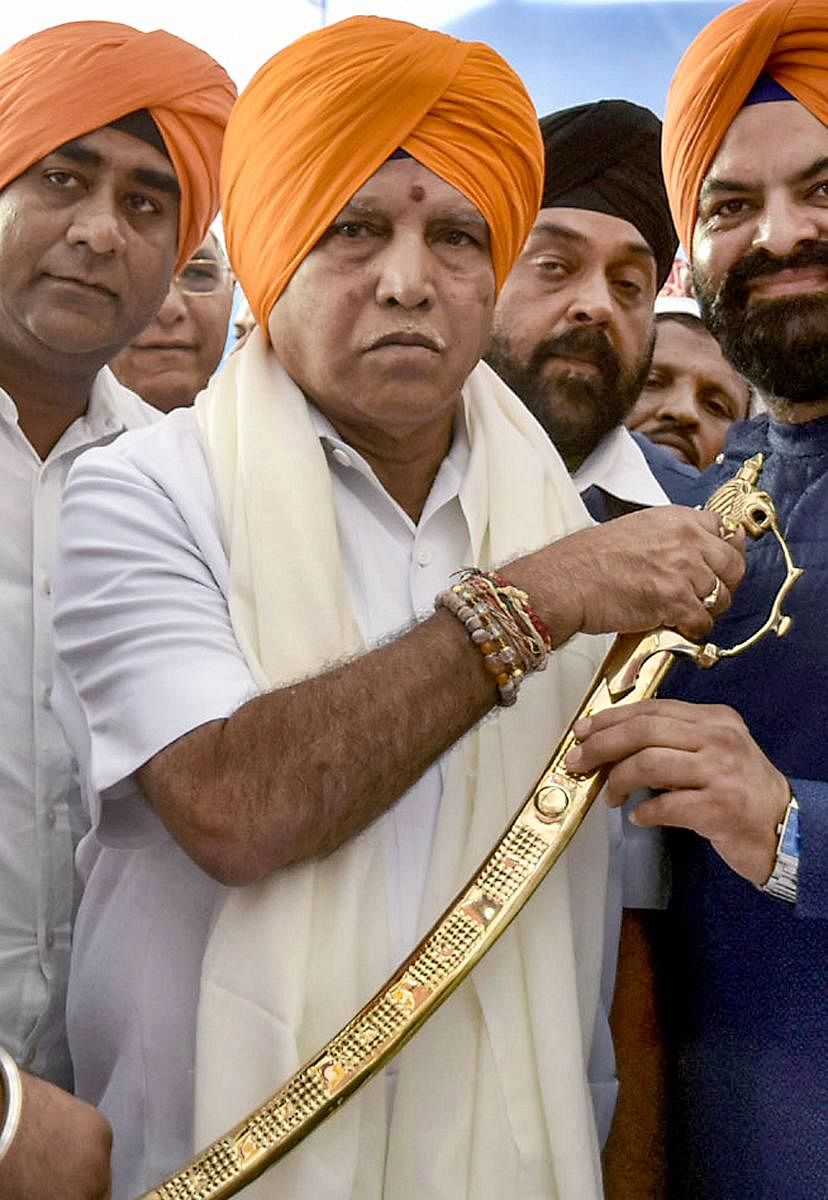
784 878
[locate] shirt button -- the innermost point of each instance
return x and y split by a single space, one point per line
51 817
424 556
719 458
46 697
341 456
50 938
46 585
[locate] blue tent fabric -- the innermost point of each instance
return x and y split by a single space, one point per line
573 53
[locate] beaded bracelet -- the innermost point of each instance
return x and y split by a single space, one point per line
501 622
13 1089
523 626
499 657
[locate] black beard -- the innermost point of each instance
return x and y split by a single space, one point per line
781 346
576 411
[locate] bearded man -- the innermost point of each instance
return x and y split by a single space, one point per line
264 697
745 766
109 145
573 330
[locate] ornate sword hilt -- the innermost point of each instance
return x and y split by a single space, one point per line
740 504
534 841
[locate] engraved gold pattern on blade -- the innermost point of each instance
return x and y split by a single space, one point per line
536 838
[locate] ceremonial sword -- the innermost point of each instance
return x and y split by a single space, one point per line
633 670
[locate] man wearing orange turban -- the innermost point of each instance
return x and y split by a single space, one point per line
284 712
746 165
109 155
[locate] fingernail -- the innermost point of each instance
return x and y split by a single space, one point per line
574 757
633 817
581 728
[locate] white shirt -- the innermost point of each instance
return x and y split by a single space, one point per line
619 467
165 661
40 815
146 906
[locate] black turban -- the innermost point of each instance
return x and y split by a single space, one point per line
606 157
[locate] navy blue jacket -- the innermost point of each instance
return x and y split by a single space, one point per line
746 975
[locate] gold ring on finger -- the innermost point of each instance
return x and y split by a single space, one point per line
712 598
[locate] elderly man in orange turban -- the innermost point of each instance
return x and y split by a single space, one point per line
746 165
109 156
273 704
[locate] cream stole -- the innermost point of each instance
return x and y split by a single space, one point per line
491 1098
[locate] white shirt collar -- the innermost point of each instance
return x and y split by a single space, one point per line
449 476
112 408
104 413
618 466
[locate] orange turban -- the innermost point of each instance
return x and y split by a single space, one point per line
323 115
64 82
787 39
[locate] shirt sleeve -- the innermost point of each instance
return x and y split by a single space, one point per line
144 640
812 798
646 862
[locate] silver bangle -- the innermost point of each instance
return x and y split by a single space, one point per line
13 1088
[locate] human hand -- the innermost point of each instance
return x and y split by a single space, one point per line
647 570
712 776
61 1148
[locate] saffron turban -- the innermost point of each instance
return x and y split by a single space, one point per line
64 82
325 113
606 157
786 39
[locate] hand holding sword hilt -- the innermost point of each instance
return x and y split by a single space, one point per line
740 504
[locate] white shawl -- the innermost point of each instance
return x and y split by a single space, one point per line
491 1097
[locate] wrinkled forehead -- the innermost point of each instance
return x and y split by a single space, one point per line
593 230
138 124
684 340
765 141
96 146
402 181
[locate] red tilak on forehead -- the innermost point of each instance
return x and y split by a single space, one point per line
417 193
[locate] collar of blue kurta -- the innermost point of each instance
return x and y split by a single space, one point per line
809 440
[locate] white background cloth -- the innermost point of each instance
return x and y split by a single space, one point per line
131 1025
40 815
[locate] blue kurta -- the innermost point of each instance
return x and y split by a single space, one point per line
746 975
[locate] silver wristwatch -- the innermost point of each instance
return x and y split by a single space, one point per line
784 878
